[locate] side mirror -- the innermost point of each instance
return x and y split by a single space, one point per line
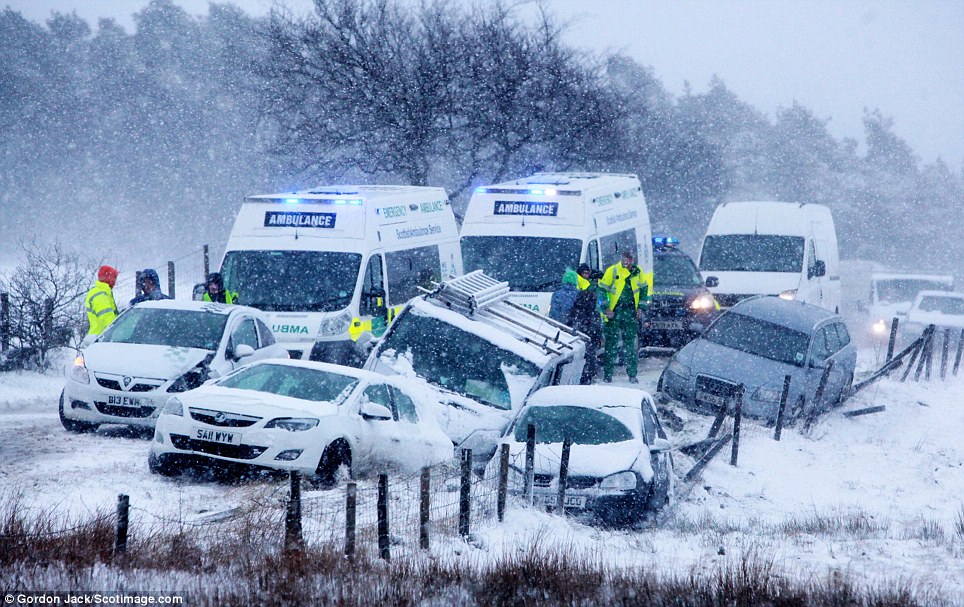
374 411
364 344
243 351
712 281
862 306
197 294
659 445
819 269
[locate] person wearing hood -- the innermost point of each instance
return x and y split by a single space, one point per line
564 296
585 316
150 289
214 290
101 309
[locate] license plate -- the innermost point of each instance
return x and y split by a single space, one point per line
570 501
128 401
710 398
667 324
217 436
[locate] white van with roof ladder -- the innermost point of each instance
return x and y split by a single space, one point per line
772 248
328 265
529 231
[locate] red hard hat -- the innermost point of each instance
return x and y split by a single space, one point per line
107 274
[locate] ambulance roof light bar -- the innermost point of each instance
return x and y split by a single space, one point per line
665 241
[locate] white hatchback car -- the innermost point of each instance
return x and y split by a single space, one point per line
300 415
153 350
944 309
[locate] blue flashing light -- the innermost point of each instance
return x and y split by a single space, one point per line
480 190
665 241
550 192
292 200
356 202
340 201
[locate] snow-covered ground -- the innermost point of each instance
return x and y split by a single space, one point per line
878 497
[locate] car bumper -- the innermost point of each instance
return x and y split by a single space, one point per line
614 507
95 404
176 436
685 391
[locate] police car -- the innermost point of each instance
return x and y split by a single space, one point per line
153 350
681 305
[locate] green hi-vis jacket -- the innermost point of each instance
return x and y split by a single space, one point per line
101 309
614 281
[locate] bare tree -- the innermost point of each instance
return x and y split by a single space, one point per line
47 299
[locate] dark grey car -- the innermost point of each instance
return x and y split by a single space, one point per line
757 343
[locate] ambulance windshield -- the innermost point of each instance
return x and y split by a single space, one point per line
292 281
528 263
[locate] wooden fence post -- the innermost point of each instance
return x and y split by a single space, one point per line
945 352
563 475
718 422
913 358
737 418
293 538
423 509
530 463
465 494
924 351
4 322
893 338
783 406
383 533
503 481
351 518
120 532
171 282
207 263
960 350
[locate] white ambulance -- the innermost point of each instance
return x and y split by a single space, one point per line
328 265
528 231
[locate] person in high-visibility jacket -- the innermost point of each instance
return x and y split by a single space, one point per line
101 309
623 313
215 291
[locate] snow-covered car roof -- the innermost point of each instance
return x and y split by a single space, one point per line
194 306
928 315
355 372
796 315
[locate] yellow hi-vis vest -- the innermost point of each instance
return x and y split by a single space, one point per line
614 280
229 297
101 309
581 283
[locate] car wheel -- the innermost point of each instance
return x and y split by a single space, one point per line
164 465
336 455
74 425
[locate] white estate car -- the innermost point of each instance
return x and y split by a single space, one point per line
301 415
944 309
153 350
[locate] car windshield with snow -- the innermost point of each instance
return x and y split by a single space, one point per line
481 353
756 344
153 350
619 469
316 418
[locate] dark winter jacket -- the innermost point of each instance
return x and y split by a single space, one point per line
154 295
584 314
564 297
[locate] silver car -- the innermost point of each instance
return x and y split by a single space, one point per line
757 343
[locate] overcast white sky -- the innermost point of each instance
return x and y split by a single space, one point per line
836 57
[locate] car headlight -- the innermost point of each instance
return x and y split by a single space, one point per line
621 481
335 325
173 406
679 369
78 372
703 302
880 327
768 393
789 294
293 424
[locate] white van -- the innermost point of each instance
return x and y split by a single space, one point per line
328 265
772 248
528 231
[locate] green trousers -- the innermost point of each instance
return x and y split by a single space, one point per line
622 326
